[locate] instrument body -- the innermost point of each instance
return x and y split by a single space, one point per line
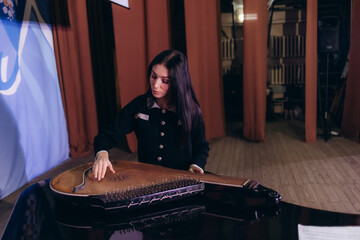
218 212
137 184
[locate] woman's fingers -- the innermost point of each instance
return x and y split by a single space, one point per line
102 171
95 170
100 166
111 168
196 169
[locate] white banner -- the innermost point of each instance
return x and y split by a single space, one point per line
33 133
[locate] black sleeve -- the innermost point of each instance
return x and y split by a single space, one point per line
200 146
123 124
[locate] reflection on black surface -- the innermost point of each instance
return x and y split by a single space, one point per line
32 216
217 213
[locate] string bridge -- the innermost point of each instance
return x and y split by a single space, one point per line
146 195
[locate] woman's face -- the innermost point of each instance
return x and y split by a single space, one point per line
160 81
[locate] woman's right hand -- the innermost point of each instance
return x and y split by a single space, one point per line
101 163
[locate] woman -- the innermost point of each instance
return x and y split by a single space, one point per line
167 121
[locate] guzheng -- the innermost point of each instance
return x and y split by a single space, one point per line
137 184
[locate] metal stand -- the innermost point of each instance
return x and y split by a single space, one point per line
326 134
329 114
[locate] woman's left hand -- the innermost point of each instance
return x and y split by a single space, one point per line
196 169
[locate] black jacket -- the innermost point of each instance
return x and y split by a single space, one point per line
159 135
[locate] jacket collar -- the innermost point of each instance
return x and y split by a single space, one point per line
151 103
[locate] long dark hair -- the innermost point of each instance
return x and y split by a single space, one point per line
183 95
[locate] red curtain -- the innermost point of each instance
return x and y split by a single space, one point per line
140 32
72 52
311 71
202 24
350 127
157 27
255 69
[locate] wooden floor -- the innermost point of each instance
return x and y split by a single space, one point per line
322 175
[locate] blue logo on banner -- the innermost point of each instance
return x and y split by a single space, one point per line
9 82
9 60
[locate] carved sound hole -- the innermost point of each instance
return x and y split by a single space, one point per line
118 177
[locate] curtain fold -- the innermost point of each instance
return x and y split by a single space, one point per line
157 27
311 71
72 51
350 126
140 33
101 36
202 24
255 69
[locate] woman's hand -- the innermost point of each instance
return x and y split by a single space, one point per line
196 169
101 163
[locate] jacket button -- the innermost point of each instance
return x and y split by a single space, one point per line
163 111
161 146
159 158
162 134
162 123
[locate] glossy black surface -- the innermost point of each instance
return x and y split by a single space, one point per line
217 213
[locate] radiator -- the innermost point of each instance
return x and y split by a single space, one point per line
287 46
285 74
289 50
228 53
